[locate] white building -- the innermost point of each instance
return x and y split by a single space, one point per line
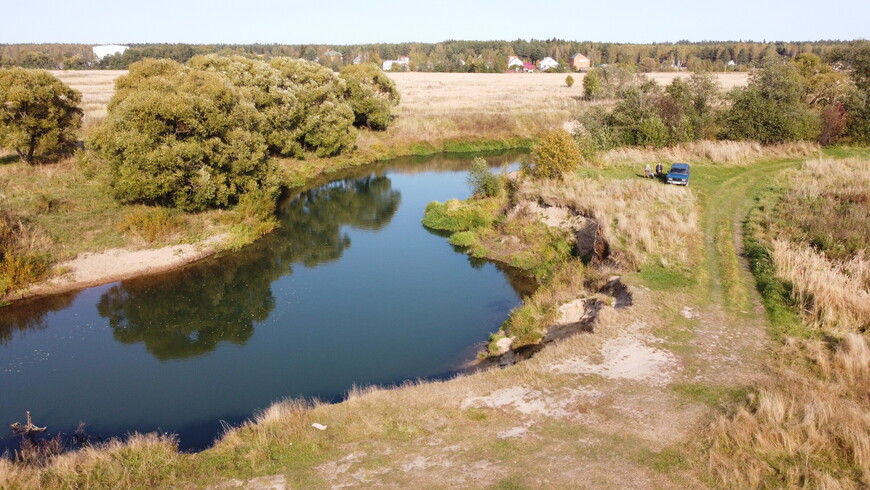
101 52
548 63
402 62
515 62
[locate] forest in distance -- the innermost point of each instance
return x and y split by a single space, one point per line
446 56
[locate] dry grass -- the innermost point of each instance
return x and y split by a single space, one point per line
835 295
133 463
812 428
810 431
639 218
731 153
820 245
96 86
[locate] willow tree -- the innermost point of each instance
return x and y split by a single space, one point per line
39 115
372 95
181 137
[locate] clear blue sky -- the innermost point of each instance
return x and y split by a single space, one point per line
352 22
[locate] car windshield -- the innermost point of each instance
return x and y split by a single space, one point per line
679 170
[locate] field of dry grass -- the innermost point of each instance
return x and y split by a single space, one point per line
96 86
436 107
727 153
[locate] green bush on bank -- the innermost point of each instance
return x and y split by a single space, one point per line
202 135
371 94
180 137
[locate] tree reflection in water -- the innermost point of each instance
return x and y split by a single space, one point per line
189 312
31 315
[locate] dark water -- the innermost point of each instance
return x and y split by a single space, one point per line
351 290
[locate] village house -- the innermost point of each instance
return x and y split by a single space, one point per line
101 52
515 63
580 62
333 55
547 63
528 67
402 63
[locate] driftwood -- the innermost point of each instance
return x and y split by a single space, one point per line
27 429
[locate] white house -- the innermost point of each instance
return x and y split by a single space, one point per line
548 63
514 62
402 62
101 52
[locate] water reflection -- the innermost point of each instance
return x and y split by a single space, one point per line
189 312
31 315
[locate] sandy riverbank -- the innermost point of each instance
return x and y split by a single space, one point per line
117 264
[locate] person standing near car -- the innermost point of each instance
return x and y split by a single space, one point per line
659 170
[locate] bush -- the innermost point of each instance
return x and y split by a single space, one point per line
482 181
647 65
150 224
555 154
38 114
771 108
372 95
325 123
22 260
569 81
455 215
180 137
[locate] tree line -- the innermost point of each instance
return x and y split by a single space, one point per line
802 99
447 56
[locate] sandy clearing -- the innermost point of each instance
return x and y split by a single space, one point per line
629 357
94 269
533 402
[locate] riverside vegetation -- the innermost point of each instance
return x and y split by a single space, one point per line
793 418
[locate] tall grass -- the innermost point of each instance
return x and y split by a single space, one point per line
834 295
810 431
812 428
151 224
639 218
731 153
23 257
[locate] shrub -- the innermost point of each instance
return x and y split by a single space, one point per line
555 154
455 215
569 81
150 224
482 181
180 137
325 124
593 87
647 65
22 261
38 114
371 93
771 108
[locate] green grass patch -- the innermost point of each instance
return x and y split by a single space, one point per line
714 396
775 293
510 483
664 461
660 278
455 215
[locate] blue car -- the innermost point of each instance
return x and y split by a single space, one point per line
679 174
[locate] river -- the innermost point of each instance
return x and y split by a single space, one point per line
351 290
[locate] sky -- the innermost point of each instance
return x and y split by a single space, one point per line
391 21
